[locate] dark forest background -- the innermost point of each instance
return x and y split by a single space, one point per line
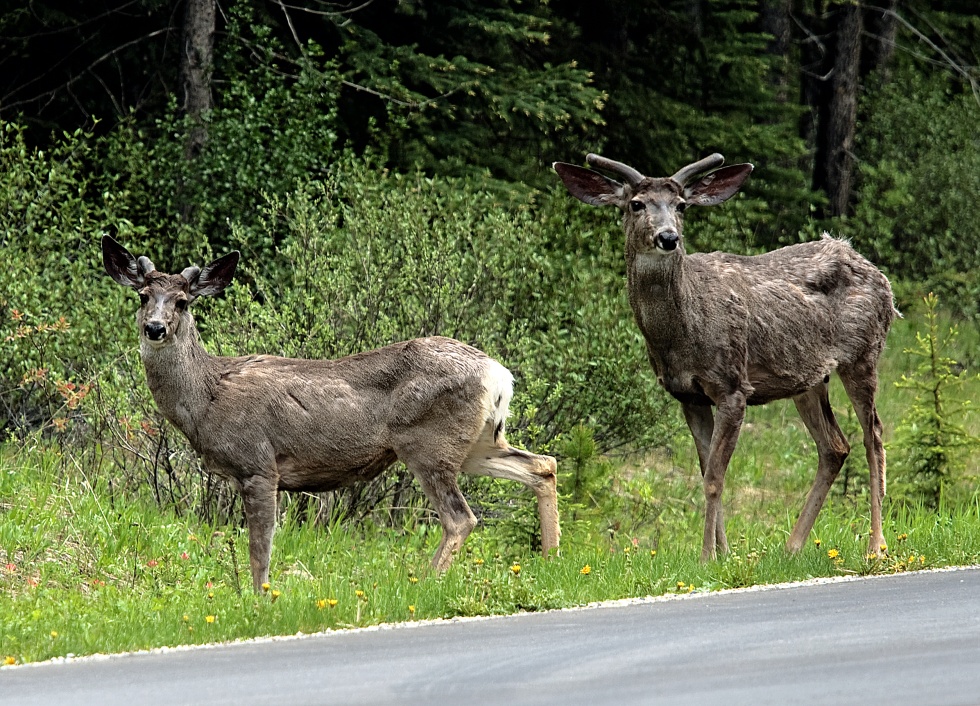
838 103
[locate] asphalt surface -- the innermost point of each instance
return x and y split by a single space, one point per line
908 639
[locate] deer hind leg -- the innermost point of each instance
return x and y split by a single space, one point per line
832 449
861 385
701 422
495 458
259 496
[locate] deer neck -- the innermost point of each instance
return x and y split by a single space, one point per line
182 376
659 294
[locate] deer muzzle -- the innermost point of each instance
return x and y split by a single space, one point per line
667 240
155 331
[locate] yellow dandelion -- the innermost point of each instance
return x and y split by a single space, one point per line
922 559
210 594
359 593
8 660
653 552
321 604
690 589
816 542
186 617
209 619
833 553
516 569
478 562
331 602
902 537
266 586
413 579
585 570
54 634
411 609
275 595
882 547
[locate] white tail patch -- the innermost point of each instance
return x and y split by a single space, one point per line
499 386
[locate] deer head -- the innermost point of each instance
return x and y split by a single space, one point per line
653 208
164 299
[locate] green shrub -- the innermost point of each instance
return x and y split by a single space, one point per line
932 440
351 262
58 324
917 214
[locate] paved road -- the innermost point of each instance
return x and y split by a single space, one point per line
910 639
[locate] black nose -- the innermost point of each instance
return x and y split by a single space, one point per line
155 331
667 240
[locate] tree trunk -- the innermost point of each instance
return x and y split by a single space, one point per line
196 60
774 16
882 27
834 168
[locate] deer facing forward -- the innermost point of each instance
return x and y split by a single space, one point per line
725 331
269 423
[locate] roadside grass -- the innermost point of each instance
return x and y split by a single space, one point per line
87 579
83 571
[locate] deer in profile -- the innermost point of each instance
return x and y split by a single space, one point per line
268 423
724 331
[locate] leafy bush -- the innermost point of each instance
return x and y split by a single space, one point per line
917 214
56 318
354 261
367 258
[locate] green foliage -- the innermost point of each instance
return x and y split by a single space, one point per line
469 87
917 213
367 258
687 79
353 262
267 134
54 321
932 439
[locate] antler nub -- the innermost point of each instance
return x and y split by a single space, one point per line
631 176
685 174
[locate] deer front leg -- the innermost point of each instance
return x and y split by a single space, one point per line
701 422
724 437
259 498
439 485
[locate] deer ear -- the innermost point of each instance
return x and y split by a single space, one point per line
590 187
214 277
718 186
120 264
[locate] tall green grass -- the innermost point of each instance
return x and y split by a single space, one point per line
83 571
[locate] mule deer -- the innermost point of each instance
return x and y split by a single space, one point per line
727 331
271 424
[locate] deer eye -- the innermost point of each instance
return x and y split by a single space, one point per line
144 298
181 304
636 205
682 206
